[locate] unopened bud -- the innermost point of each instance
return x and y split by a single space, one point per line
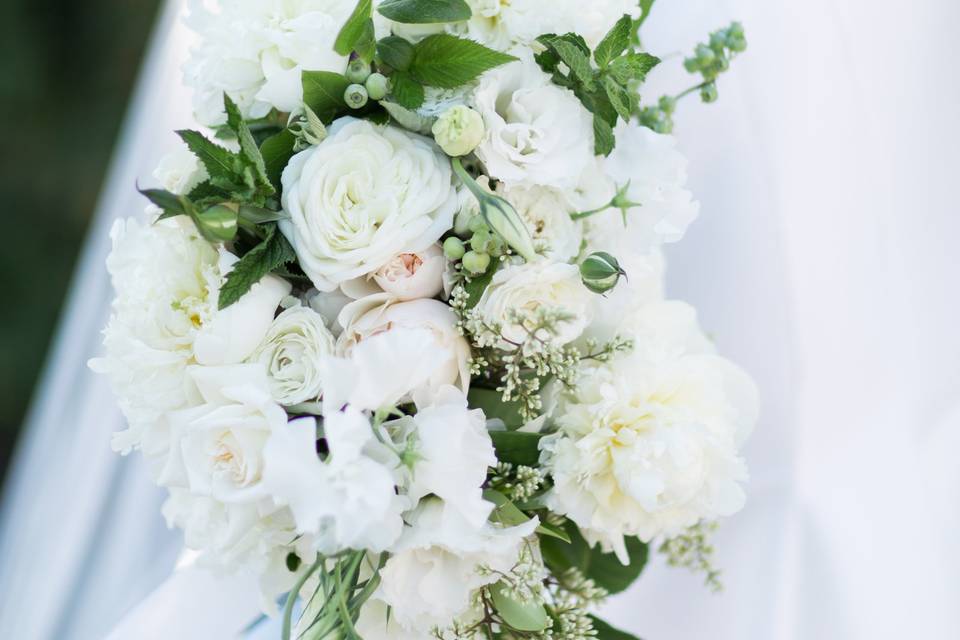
453 248
357 71
217 224
459 130
476 263
600 272
356 96
377 86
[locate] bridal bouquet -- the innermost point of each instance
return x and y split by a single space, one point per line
394 336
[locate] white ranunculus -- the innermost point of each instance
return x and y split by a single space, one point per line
648 443
366 194
537 133
292 353
657 174
528 287
435 567
255 51
379 314
547 215
407 276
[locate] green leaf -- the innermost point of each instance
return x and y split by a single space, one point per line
277 151
425 11
395 52
615 42
219 162
604 138
632 67
478 284
323 92
249 151
504 513
553 531
407 92
603 568
491 401
528 616
446 61
171 203
619 98
267 256
645 6
573 52
354 28
517 447
607 632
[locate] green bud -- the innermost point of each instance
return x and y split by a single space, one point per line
737 44
217 224
600 272
476 224
356 96
459 130
668 104
476 263
378 86
735 30
705 55
709 92
692 65
453 248
357 71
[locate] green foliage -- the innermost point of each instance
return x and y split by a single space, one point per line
493 406
323 93
605 631
603 568
407 92
446 61
395 52
517 447
520 616
615 43
277 151
357 33
271 254
425 11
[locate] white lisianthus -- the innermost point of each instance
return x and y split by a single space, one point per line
292 353
379 314
458 130
648 443
363 196
255 51
406 276
547 215
537 133
530 287
657 174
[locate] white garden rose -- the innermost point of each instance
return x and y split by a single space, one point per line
546 213
292 353
529 287
180 171
255 51
648 443
537 132
380 314
406 276
365 195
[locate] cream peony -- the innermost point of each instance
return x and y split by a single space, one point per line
406 276
529 287
537 133
363 196
292 353
648 444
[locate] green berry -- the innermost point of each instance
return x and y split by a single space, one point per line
357 71
377 86
668 104
453 248
709 92
356 96
476 263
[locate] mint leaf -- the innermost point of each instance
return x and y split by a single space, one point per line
517 447
615 43
632 67
603 568
446 61
425 11
219 162
249 152
620 98
607 632
604 139
172 204
355 28
573 51
395 52
323 92
271 254
277 151
645 6
407 92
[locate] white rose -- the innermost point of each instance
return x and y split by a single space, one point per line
378 314
180 171
292 353
406 276
537 133
648 443
255 51
363 196
529 287
547 215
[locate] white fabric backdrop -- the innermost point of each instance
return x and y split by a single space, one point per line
823 261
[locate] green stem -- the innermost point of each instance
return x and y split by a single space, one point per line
684 94
292 598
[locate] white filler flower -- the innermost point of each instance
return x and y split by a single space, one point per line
363 196
648 444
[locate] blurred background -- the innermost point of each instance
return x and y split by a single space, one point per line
67 71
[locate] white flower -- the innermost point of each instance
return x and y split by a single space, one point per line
180 171
537 133
648 443
547 215
440 561
379 314
657 174
458 130
407 276
529 287
255 51
615 312
363 196
292 353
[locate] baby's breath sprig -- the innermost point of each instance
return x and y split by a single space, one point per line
692 550
518 483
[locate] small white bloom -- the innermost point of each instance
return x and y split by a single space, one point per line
546 213
407 276
363 196
459 130
537 133
648 443
292 353
180 171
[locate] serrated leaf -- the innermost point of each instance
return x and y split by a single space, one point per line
271 254
619 97
206 193
615 42
222 164
446 61
354 28
517 447
632 67
607 632
249 151
603 568
604 140
425 11
277 151
407 92
323 92
572 54
395 52
521 616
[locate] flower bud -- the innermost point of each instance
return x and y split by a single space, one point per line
377 86
453 248
357 71
476 263
459 131
356 96
600 272
709 92
217 224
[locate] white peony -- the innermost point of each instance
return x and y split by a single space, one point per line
292 353
529 287
406 276
648 443
547 215
537 133
255 51
363 196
